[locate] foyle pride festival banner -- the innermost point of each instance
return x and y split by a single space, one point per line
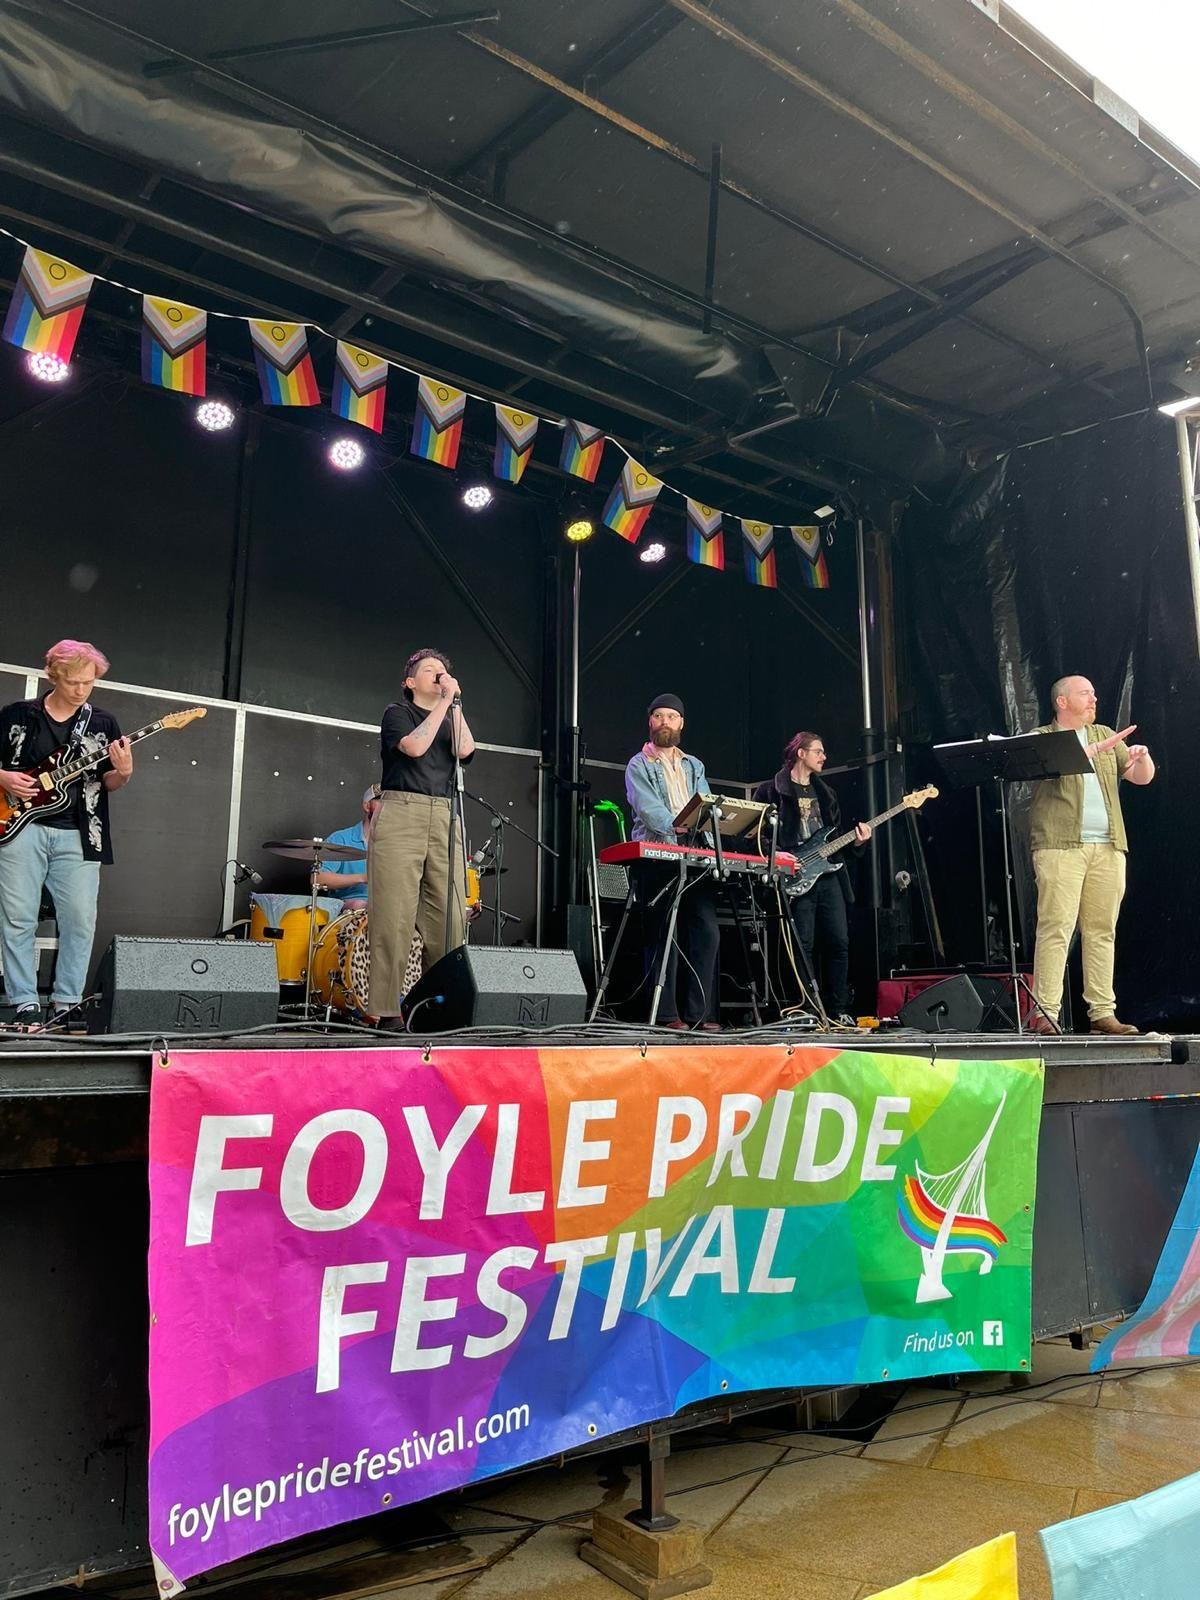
376 1276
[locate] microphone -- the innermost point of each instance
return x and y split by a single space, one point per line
437 678
245 872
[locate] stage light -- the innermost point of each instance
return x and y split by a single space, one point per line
825 511
47 368
579 530
346 454
1174 407
214 415
654 552
477 497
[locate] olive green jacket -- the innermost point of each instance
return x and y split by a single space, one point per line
1056 815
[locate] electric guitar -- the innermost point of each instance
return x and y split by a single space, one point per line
812 854
58 773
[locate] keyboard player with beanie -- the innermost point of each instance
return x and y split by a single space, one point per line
659 781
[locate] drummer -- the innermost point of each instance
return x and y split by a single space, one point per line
347 880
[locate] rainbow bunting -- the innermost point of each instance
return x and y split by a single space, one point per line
631 501
921 1218
47 305
759 553
174 344
808 542
437 424
582 450
515 432
705 535
359 386
285 369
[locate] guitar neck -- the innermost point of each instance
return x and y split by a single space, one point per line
69 774
832 846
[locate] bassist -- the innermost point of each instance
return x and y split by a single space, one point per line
806 804
61 852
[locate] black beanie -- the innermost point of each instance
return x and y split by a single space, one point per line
665 702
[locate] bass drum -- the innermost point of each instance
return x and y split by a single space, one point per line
342 964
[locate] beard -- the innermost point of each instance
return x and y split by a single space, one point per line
666 738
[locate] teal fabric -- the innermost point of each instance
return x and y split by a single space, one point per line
1144 1549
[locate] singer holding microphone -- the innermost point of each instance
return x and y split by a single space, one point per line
409 852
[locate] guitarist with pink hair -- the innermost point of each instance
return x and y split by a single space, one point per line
63 850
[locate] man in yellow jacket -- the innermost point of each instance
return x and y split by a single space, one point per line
1077 834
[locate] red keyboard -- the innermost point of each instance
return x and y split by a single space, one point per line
620 855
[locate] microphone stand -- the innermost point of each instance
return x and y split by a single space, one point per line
499 823
456 816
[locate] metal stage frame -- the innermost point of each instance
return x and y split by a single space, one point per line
1120 1127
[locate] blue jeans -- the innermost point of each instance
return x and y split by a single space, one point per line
52 857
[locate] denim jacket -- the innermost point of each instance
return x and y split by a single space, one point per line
646 791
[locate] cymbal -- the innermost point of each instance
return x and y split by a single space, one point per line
312 850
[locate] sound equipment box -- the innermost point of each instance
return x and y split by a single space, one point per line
184 985
993 987
951 1006
490 986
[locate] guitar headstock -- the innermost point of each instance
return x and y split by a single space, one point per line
918 797
180 719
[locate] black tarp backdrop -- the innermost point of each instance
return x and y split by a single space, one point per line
1068 557
122 525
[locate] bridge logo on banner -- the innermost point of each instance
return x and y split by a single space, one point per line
373 1280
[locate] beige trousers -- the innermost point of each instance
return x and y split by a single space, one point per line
408 875
1083 886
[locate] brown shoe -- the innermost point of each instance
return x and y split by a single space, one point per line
1110 1025
1040 1024
710 1027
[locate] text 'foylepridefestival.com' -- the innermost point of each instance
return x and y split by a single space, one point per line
372 1466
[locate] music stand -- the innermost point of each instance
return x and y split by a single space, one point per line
1024 758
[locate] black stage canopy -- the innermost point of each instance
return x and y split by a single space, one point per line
792 250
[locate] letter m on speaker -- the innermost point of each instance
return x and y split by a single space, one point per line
199 1011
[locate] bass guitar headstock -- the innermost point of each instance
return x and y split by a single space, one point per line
918 797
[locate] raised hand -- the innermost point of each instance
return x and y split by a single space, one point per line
1098 749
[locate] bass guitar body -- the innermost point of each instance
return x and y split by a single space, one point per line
811 868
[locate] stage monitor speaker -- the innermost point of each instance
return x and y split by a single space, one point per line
184 986
951 1006
489 986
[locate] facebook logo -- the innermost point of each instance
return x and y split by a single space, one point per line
993 1333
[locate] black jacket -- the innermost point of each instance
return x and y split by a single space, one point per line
779 790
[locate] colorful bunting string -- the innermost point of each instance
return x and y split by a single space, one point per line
582 450
47 305
631 501
759 554
174 343
285 369
359 386
809 543
515 433
705 535
437 425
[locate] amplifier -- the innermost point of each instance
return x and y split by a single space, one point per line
184 985
489 985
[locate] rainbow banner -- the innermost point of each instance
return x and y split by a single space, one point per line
988 1572
811 546
706 535
515 433
377 1275
758 552
582 450
1167 1323
631 501
174 344
437 422
47 304
359 386
285 369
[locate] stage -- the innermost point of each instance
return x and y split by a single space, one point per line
1120 1122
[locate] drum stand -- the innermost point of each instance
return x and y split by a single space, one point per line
317 845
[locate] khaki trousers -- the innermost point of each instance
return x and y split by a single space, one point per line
1083 886
408 876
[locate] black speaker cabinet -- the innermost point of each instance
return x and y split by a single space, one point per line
952 1006
485 986
184 985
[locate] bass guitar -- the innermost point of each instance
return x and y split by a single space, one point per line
812 854
57 775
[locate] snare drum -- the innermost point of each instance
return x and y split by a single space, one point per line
282 920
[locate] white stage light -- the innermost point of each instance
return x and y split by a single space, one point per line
214 415
654 552
346 454
477 497
823 512
47 368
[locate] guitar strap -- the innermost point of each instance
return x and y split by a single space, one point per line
81 726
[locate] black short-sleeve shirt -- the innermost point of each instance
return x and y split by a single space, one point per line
432 773
28 736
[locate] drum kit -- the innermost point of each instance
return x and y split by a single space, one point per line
317 941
